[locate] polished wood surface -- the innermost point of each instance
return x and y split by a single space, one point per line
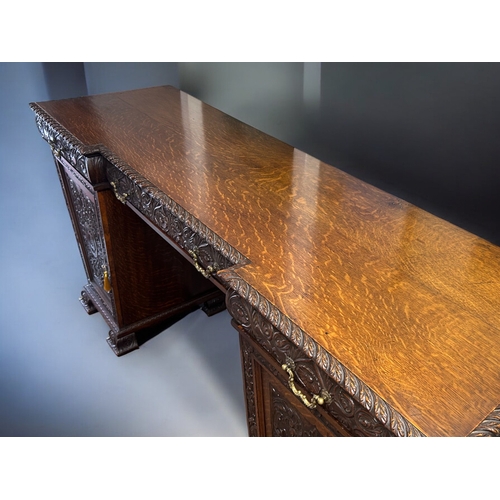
406 301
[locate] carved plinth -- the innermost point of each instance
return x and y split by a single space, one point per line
214 306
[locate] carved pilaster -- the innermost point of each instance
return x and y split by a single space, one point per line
249 383
89 224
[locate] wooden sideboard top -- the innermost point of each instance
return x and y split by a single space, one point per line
407 302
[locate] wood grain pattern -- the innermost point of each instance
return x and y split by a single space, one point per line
271 349
406 301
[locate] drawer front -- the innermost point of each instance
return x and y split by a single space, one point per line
68 150
208 253
303 379
272 410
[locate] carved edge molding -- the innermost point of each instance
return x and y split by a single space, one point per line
60 139
490 426
149 192
379 408
62 142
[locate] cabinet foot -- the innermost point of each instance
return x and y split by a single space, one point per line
214 306
122 345
87 303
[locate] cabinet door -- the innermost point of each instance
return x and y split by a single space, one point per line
83 206
272 408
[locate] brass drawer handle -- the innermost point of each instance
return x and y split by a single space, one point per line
120 197
106 281
205 272
321 399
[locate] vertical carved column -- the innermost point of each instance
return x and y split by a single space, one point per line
248 380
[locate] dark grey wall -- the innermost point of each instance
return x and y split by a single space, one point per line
425 132
73 79
268 96
113 76
428 132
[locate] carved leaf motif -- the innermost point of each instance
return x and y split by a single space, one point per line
381 411
239 311
366 398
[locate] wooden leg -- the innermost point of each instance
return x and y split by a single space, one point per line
214 306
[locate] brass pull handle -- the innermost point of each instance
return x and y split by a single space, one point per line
205 272
320 399
106 280
120 197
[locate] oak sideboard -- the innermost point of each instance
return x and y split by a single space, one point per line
359 314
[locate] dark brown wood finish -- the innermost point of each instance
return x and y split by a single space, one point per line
136 279
399 307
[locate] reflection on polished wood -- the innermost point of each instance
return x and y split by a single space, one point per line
405 302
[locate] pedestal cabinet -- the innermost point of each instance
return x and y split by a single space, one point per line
136 279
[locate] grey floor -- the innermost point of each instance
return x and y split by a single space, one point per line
58 377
